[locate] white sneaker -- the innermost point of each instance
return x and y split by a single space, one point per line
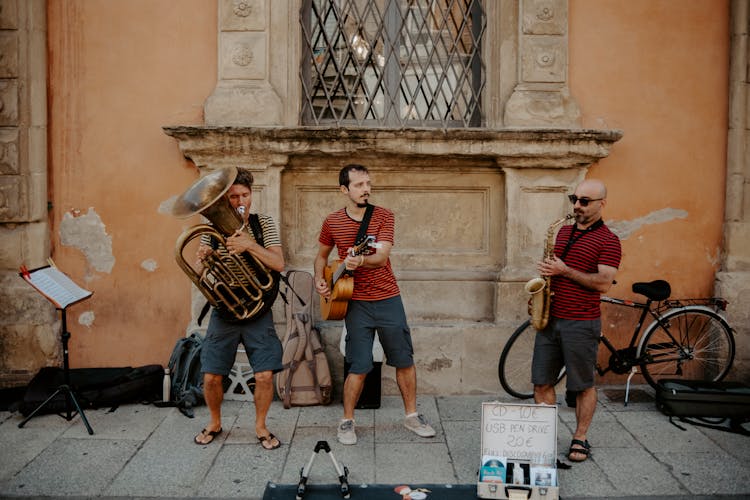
346 434
419 426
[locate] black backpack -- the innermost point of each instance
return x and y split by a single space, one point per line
186 377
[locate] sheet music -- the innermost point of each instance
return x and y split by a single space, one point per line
56 286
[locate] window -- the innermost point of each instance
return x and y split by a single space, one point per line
392 63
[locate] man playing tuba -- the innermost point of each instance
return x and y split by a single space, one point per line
583 266
225 331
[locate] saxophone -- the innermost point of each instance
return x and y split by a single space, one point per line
539 288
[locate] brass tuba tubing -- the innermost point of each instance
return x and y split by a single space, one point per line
238 283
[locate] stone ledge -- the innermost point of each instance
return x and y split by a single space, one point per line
538 148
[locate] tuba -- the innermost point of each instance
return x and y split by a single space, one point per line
239 284
539 288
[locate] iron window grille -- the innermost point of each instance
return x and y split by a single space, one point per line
392 63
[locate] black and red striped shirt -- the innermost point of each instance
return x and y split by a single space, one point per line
340 230
586 251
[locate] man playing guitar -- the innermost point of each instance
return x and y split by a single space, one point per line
375 301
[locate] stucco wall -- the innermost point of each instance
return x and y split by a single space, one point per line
658 71
120 70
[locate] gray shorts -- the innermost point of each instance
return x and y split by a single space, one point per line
571 343
386 316
258 335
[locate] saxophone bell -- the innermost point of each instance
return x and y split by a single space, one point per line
534 286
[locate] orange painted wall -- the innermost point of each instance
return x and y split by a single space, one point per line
118 72
122 69
658 70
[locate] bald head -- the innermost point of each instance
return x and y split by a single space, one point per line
594 188
589 199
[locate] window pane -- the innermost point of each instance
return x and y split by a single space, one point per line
393 63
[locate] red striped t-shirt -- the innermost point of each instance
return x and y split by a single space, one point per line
598 246
340 230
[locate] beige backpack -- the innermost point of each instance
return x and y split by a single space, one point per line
306 377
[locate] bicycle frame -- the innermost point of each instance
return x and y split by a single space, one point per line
623 360
683 338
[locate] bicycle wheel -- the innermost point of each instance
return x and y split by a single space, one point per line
693 343
514 367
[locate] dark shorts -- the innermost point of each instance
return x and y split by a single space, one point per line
386 316
569 343
258 335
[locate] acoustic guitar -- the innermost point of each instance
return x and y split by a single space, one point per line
341 283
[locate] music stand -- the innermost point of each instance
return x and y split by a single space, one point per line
61 291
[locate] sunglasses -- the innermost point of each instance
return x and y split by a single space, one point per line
583 201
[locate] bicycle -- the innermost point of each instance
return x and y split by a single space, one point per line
687 339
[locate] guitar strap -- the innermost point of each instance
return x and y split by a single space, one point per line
364 224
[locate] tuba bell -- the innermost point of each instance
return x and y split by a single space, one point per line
236 283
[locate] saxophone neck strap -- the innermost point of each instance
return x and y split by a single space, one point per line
576 234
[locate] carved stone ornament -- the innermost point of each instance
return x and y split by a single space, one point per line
545 58
544 17
242 8
242 55
545 11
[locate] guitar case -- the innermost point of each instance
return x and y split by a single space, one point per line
705 403
93 387
305 379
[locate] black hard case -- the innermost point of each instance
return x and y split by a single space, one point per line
700 398
369 399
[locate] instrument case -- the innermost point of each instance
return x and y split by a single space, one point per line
703 399
519 452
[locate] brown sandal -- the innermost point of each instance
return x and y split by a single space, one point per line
266 442
206 434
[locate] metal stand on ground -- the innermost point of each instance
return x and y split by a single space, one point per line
305 471
633 371
70 398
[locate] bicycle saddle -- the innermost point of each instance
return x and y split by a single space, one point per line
654 290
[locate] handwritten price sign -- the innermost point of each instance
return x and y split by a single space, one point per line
517 431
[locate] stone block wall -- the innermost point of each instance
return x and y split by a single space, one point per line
28 326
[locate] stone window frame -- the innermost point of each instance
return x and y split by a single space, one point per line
525 57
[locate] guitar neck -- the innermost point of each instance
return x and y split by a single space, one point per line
356 250
338 272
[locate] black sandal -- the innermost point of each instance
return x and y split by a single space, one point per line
585 450
206 434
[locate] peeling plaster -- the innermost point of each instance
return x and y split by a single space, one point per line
624 229
87 318
166 206
715 259
149 265
87 233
